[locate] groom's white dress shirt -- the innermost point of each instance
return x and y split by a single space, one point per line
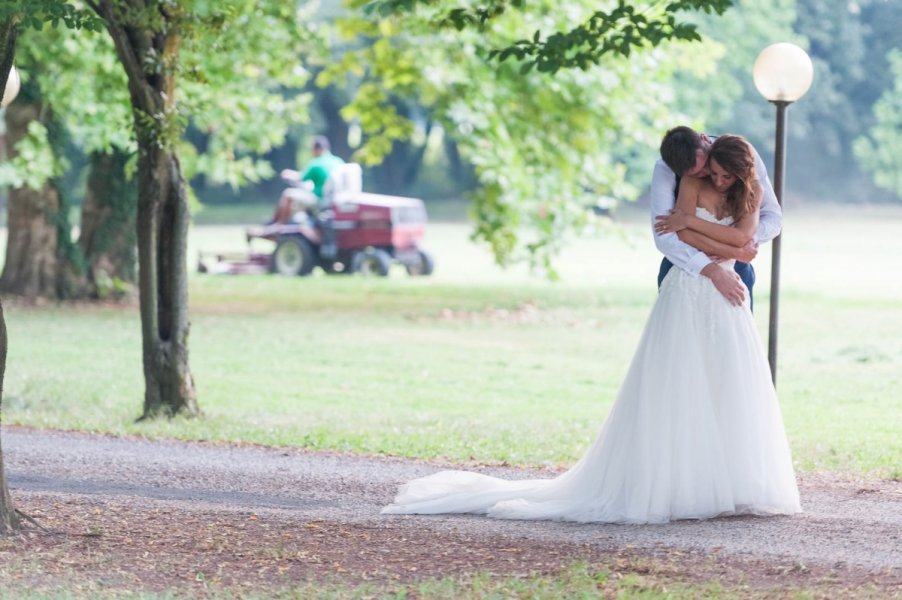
681 254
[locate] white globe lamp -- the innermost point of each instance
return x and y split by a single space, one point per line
783 73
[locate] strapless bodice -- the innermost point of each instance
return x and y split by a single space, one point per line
703 213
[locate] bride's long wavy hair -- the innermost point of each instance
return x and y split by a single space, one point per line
734 154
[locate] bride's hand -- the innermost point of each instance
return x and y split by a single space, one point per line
677 220
748 252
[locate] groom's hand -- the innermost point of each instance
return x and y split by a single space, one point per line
727 283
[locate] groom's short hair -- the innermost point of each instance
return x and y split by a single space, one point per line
678 148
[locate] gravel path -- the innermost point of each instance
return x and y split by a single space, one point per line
848 523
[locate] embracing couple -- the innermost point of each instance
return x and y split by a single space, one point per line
695 431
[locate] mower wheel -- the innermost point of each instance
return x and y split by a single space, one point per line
293 255
370 262
422 267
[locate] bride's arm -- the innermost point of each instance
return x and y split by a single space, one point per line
706 244
719 249
738 234
685 206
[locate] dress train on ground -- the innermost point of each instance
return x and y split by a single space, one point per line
695 432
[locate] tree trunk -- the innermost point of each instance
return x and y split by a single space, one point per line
150 59
32 263
41 259
9 519
282 157
162 228
462 172
400 167
336 127
108 230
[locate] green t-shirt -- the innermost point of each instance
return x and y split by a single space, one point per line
318 169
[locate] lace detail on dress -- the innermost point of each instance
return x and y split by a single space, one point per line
703 213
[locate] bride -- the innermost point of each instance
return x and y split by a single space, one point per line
695 431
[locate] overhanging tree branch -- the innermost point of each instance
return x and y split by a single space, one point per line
627 27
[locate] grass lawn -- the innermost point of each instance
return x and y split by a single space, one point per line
476 362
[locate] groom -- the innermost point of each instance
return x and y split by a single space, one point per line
684 152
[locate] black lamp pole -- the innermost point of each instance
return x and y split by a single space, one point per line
779 168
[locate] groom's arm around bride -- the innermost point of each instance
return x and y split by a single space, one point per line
685 151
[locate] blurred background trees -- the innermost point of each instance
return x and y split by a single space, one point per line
849 44
430 113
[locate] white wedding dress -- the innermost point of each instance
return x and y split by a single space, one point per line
695 432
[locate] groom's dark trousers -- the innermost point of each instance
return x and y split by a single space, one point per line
745 271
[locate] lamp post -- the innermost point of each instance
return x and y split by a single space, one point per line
782 73
11 89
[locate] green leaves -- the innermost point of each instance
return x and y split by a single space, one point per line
83 83
545 149
34 162
878 151
238 76
458 18
35 13
372 110
162 129
240 85
627 27
620 32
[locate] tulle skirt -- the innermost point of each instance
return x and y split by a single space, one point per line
695 432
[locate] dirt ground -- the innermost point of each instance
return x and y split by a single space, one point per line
121 517
100 546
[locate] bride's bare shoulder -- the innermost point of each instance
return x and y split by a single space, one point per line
701 185
695 184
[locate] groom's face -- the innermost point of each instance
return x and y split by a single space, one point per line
700 169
